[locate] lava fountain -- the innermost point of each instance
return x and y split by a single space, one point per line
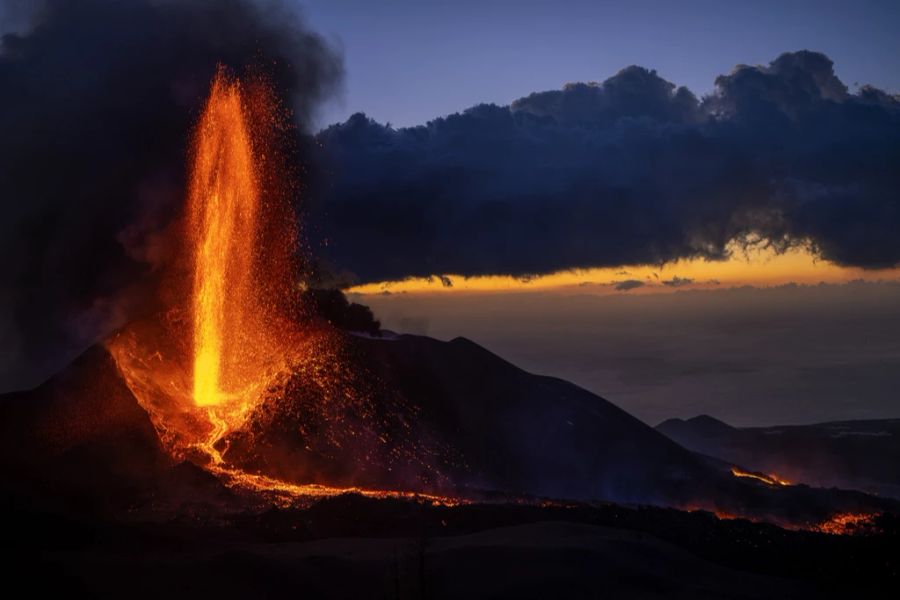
227 342
231 340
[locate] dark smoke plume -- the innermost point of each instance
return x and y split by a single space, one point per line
97 99
633 170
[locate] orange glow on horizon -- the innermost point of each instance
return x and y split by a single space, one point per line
761 268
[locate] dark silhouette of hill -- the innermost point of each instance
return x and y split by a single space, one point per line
81 437
860 455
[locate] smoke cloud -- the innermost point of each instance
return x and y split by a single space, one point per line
97 98
677 281
628 284
633 170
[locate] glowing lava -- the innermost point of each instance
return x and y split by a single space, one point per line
223 205
231 344
848 524
771 479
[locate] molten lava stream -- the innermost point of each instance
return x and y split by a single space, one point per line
222 226
770 479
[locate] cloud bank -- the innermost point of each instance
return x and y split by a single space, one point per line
633 170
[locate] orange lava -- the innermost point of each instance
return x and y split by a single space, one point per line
843 523
846 524
291 495
770 479
719 514
223 219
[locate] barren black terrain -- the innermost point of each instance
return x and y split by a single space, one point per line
95 504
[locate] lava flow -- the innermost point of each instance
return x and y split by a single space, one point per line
848 524
770 479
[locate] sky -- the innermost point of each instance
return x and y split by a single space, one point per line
408 62
762 268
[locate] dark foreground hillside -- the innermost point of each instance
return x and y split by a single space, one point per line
351 547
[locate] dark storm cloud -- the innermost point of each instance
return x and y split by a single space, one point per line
633 170
97 98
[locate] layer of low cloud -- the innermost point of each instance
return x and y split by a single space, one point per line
677 281
633 170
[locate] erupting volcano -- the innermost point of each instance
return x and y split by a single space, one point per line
258 400
236 354
255 341
223 219
230 339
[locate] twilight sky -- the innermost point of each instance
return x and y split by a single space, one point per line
410 61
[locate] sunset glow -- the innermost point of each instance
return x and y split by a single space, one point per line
761 268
